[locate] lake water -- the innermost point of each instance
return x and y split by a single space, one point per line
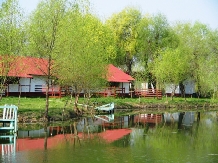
181 137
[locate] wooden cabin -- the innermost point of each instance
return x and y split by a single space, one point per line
119 81
27 77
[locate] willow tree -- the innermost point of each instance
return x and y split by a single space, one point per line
85 50
43 33
194 38
11 37
208 68
171 67
124 26
156 35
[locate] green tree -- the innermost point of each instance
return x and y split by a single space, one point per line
86 49
43 33
11 29
125 30
11 37
194 38
208 65
156 35
171 67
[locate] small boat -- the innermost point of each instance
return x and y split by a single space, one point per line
106 118
108 107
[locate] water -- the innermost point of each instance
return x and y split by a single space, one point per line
189 137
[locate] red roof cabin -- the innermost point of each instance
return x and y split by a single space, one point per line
120 83
29 78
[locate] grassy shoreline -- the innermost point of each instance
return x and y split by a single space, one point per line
32 109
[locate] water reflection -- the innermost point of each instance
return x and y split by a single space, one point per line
8 148
184 119
106 118
166 137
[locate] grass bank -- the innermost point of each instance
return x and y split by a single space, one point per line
32 109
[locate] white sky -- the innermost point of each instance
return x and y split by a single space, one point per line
205 11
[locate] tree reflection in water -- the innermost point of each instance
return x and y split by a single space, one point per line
179 137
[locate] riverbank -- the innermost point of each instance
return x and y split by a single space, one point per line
31 110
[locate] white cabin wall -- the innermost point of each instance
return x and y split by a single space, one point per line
24 86
141 85
126 86
37 80
144 85
13 88
189 87
27 84
169 88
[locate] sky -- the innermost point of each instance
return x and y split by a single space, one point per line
204 11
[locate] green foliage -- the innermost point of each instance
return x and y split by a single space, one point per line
155 36
78 45
11 29
11 37
43 33
171 66
85 47
194 39
124 26
209 69
57 104
43 26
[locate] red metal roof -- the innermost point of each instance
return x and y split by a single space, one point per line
22 66
27 66
117 75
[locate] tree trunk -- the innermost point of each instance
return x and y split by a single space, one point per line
182 89
19 94
173 93
181 116
151 81
47 89
129 63
46 136
2 89
199 90
76 109
198 116
46 102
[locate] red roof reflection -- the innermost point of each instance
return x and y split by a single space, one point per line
39 143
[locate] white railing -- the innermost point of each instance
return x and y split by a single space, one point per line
9 118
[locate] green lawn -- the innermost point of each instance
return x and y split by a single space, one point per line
38 104
33 108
